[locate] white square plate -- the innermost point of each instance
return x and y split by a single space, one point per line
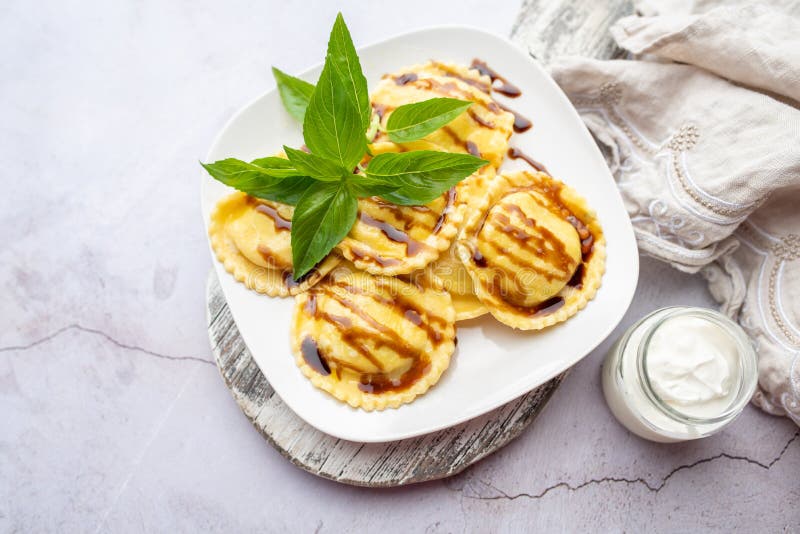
493 363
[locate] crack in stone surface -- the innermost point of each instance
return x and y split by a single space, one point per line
107 337
650 487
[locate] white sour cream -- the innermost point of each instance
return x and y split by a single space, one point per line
692 377
692 364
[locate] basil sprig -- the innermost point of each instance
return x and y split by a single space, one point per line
325 183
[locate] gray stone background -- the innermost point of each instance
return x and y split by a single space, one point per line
112 416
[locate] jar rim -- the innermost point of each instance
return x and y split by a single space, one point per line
747 361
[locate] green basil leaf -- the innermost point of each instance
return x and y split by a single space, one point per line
322 217
315 166
295 93
365 186
288 192
269 178
421 175
414 121
344 58
332 126
271 166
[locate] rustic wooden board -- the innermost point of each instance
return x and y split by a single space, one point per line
546 29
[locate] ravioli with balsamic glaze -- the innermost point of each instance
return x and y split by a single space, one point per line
534 249
373 342
251 237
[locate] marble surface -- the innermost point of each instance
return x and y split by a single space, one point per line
114 418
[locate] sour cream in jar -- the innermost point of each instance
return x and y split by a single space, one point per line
680 373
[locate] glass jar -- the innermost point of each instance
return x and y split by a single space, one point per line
639 388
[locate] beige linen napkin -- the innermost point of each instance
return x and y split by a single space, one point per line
701 129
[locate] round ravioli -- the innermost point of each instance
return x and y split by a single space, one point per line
373 342
483 130
534 249
390 239
252 239
450 274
